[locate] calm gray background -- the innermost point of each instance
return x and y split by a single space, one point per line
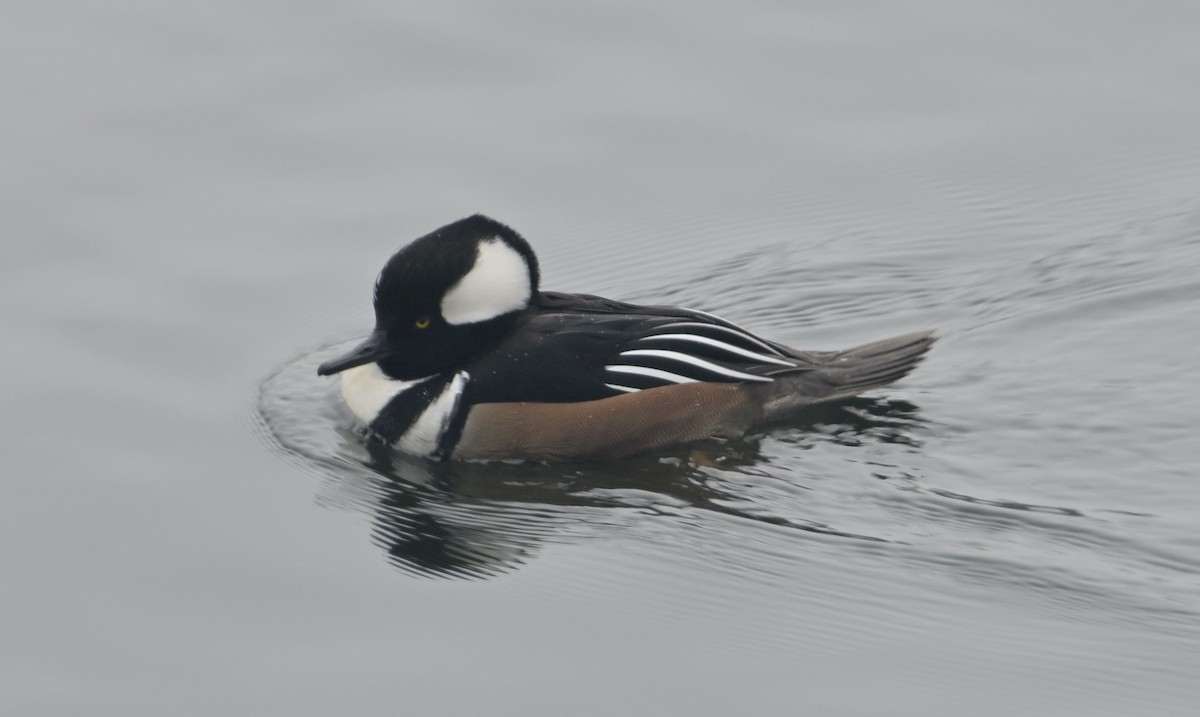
197 198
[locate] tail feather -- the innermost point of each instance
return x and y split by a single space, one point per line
876 364
841 374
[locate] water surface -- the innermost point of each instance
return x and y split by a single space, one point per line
200 196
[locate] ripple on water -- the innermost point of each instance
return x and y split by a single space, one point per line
503 510
963 481
844 484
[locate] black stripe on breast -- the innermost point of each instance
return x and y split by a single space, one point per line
403 411
451 434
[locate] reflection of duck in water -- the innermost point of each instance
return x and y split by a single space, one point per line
472 520
469 360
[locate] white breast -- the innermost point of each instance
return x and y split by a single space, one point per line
367 391
423 437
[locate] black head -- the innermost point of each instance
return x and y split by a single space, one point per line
446 297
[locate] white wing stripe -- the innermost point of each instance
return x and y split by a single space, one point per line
623 389
741 335
721 345
699 363
650 373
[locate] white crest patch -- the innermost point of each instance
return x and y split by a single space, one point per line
498 283
367 389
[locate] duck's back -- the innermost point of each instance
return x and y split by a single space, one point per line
578 347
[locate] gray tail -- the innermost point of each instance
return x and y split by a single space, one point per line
842 374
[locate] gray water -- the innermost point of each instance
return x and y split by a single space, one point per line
197 198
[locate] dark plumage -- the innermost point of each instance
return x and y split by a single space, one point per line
470 360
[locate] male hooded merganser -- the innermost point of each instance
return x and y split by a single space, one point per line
469 360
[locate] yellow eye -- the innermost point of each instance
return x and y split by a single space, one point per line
422 323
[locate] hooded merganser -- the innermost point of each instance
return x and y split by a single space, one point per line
469 360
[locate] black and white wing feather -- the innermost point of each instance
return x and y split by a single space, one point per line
674 352
578 347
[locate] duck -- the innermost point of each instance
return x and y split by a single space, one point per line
470 360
